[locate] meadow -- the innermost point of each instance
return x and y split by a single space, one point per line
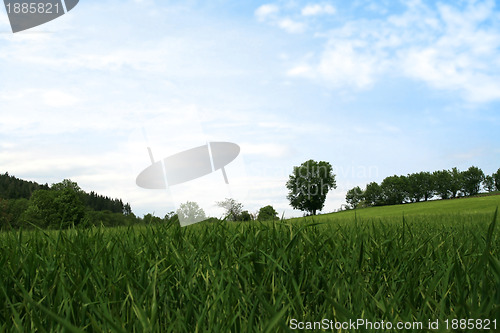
409 263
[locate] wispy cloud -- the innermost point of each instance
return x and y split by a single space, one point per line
265 11
318 9
272 14
57 98
447 47
291 26
287 18
272 150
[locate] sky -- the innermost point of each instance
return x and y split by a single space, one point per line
375 88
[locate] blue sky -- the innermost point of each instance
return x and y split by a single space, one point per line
375 88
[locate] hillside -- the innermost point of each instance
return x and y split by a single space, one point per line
461 206
12 187
27 204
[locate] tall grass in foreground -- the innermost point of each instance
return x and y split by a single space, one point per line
249 277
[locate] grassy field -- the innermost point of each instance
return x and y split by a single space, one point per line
460 206
439 262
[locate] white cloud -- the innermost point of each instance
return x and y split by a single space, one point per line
272 150
318 9
270 13
265 11
57 98
291 26
301 70
449 48
344 65
462 57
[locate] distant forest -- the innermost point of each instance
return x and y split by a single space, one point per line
29 204
15 188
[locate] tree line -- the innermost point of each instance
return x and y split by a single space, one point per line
29 204
233 211
423 186
62 205
12 187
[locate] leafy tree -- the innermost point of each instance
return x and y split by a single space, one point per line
442 181
245 216
267 213
456 183
190 212
373 194
5 216
419 186
354 197
415 186
16 208
170 217
148 218
496 178
428 185
472 180
60 208
233 208
489 183
309 184
394 190
18 191
66 184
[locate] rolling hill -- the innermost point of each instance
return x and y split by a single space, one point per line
481 205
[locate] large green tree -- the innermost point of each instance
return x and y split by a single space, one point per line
267 213
59 207
354 197
420 186
472 180
489 183
373 194
415 186
428 185
309 184
496 178
394 190
456 184
442 180
245 216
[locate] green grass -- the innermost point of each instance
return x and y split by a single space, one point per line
462 206
256 277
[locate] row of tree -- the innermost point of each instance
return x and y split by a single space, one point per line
12 187
423 186
28 204
191 211
62 205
